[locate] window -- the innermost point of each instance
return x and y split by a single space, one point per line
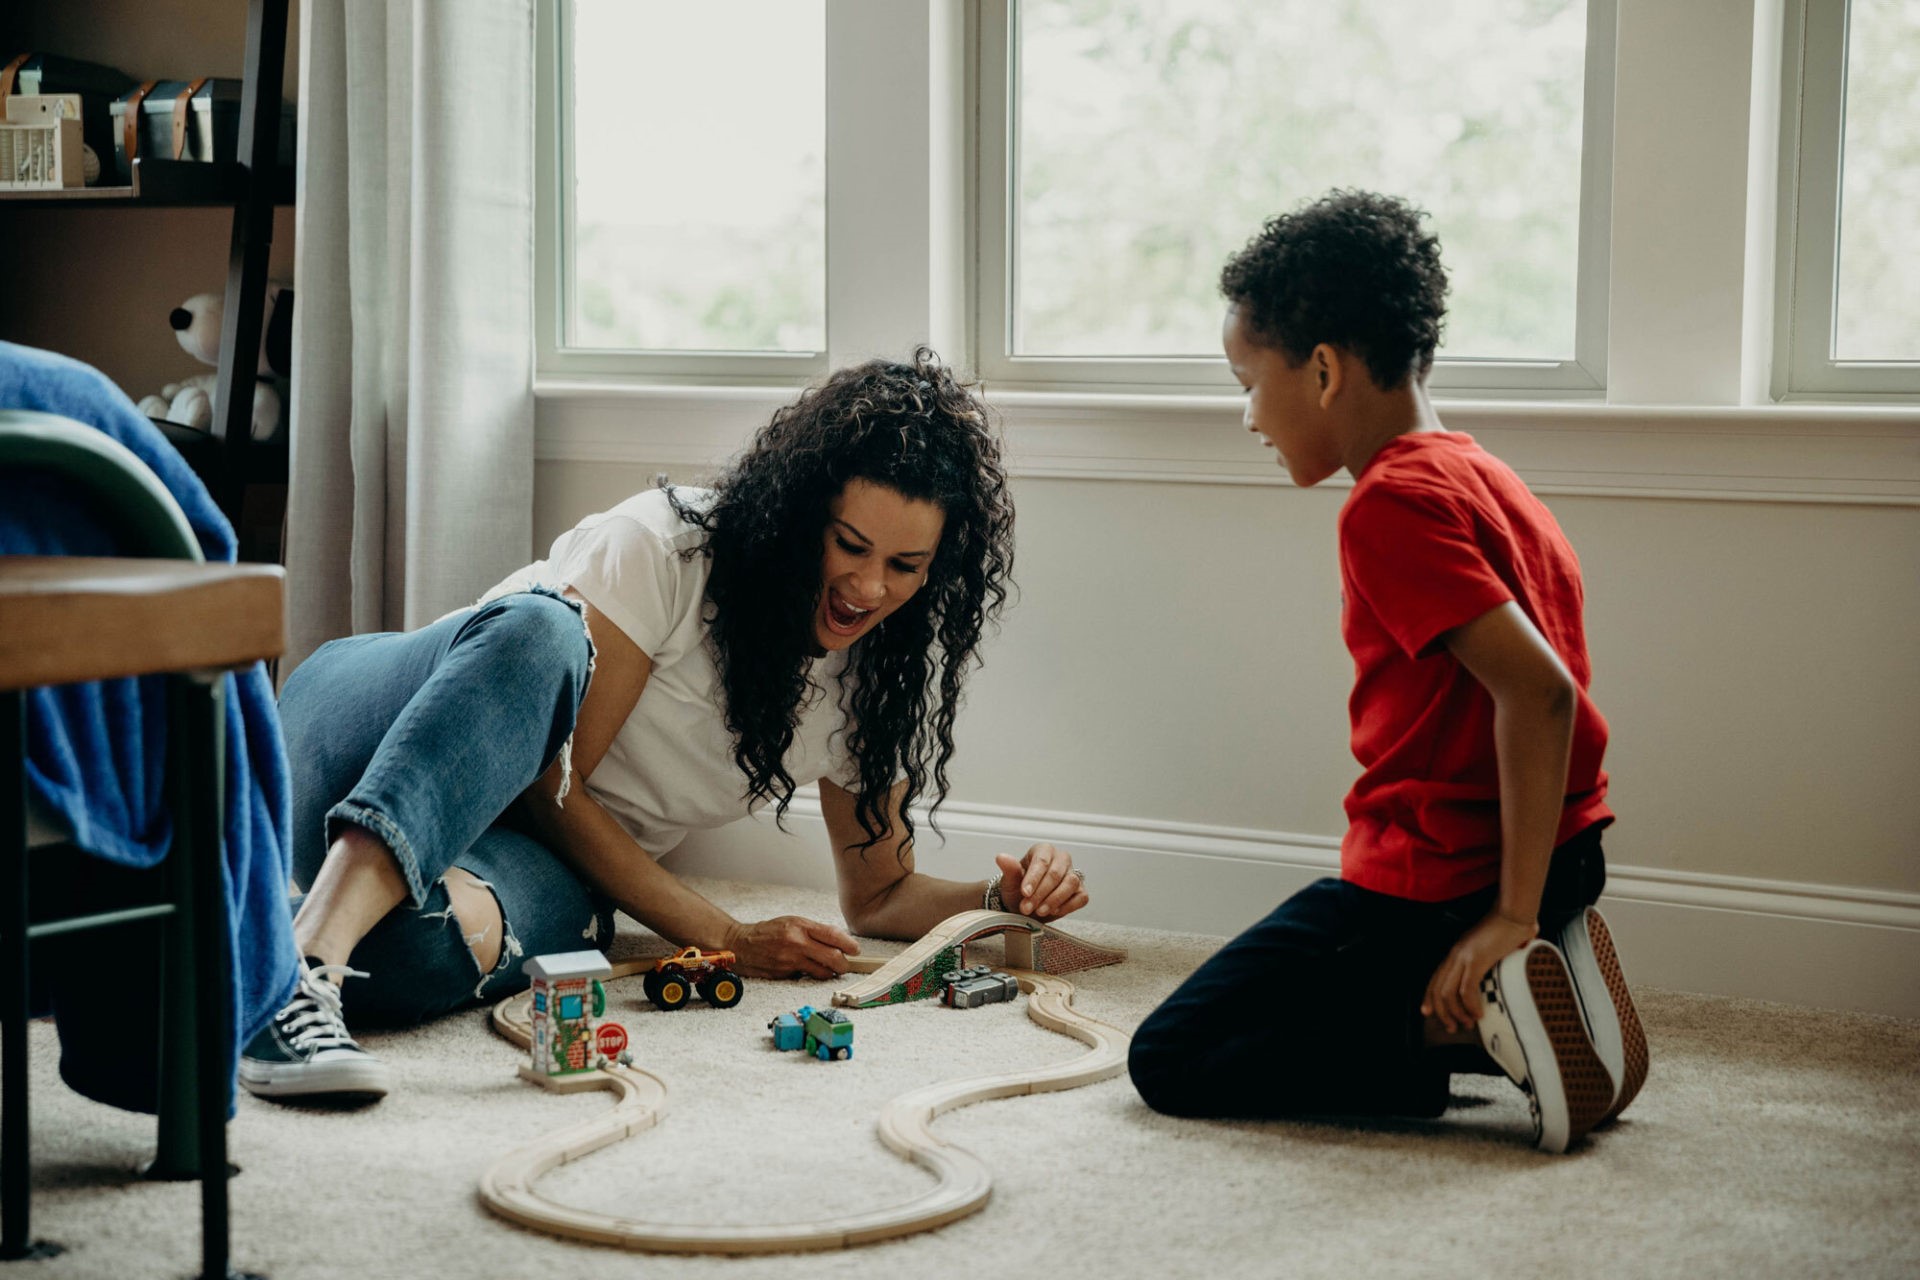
1129 146
688 155
1851 305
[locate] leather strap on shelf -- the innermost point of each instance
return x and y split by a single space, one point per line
12 72
182 114
130 121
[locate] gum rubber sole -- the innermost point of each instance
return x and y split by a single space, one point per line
1633 1036
1583 1077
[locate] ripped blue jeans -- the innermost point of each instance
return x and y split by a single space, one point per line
425 738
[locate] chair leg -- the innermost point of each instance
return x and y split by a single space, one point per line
205 739
194 990
16 1171
178 1157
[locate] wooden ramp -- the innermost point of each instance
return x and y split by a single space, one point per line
508 1186
1032 946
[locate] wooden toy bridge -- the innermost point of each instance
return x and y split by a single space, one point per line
1032 945
905 1124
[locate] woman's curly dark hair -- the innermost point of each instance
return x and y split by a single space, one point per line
918 431
1354 269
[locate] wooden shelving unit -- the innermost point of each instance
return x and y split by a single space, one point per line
251 185
176 184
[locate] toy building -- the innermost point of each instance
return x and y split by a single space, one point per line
570 1037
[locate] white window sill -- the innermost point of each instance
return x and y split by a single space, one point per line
1794 452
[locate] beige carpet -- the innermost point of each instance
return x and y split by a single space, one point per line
1770 1141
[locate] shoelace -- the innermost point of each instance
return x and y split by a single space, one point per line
312 1019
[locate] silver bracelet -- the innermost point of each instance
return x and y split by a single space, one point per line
990 900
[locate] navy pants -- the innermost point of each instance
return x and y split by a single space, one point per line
426 738
1316 1009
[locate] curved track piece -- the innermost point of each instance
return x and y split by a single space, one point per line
1032 945
964 1184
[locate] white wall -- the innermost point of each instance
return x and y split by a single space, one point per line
1169 695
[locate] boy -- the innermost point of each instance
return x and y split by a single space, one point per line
1460 935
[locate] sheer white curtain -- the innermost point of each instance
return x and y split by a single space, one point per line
412 414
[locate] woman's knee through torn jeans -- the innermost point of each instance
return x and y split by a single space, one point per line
425 738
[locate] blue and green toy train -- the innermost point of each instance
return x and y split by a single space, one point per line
827 1034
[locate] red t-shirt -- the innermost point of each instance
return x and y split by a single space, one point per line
1437 532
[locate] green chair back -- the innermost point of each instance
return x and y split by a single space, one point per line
130 497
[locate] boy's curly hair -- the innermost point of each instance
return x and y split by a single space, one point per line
918 431
1353 269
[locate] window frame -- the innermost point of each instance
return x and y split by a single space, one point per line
1813 85
554 261
992 289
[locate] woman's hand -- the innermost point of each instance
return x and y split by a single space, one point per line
790 947
1043 884
1453 993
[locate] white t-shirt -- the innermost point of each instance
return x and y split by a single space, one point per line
670 768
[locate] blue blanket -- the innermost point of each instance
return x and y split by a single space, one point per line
96 752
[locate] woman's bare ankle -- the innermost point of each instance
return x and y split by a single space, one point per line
357 844
358 883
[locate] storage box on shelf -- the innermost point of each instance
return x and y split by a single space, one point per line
187 120
40 144
94 85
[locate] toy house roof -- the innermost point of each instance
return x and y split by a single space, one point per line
568 964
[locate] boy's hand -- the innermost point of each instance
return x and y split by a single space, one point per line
1453 993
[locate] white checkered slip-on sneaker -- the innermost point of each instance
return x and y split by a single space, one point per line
1613 1022
1533 1028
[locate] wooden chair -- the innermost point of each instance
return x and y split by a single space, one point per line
68 619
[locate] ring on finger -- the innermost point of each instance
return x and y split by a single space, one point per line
1079 875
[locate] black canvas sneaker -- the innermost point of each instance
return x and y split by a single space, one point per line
1533 1028
1612 1020
304 1052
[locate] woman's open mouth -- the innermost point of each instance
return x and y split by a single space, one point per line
843 618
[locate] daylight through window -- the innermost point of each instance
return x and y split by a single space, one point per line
696 210
1152 136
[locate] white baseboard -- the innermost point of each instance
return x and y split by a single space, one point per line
1827 946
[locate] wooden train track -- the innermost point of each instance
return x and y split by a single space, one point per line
905 1124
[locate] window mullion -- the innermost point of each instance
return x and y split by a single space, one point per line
1596 196
895 229
549 271
1817 211
1683 121
994 184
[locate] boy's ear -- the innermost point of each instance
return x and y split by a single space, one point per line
1329 371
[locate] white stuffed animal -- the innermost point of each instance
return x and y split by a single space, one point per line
196 325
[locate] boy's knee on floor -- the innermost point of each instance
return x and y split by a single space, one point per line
481 922
1154 1072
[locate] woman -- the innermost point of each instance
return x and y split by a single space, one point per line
690 655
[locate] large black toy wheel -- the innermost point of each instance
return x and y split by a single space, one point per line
722 989
672 990
650 983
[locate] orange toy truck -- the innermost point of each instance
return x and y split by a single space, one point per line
676 977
